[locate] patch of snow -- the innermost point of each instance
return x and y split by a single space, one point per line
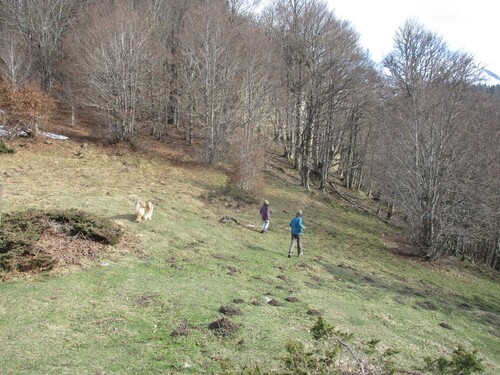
53 136
4 132
490 78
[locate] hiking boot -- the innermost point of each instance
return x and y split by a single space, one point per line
289 255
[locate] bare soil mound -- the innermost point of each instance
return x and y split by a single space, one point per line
223 327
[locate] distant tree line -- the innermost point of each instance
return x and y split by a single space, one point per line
419 131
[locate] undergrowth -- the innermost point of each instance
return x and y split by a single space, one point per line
331 352
4 149
233 192
21 230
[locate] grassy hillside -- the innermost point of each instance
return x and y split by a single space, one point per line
116 313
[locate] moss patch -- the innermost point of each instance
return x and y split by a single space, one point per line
4 149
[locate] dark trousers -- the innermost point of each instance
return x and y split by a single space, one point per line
295 237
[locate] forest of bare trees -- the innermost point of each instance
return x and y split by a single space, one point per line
419 131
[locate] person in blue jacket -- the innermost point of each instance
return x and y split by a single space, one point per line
296 230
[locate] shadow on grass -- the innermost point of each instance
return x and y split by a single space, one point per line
485 310
283 253
127 217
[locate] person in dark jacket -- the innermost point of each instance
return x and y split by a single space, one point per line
265 214
297 226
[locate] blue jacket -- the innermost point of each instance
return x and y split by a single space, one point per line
297 225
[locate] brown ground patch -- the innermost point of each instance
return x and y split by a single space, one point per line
230 310
182 330
223 327
69 250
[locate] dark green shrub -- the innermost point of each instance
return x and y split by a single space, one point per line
92 227
21 230
326 352
461 362
323 330
4 149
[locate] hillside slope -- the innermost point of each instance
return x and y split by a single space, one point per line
145 305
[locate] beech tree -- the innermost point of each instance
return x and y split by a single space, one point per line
42 25
114 62
471 222
211 75
428 102
323 65
166 18
16 61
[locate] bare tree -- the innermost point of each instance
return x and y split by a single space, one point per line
167 20
429 84
114 62
42 24
16 62
211 73
471 222
323 66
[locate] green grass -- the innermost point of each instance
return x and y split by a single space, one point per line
117 315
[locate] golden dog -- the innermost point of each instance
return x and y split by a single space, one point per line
143 210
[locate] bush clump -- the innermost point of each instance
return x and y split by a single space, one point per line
25 108
4 149
21 231
92 227
461 362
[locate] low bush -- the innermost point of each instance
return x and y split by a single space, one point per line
461 362
4 149
21 231
24 108
329 353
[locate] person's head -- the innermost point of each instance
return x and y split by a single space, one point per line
299 213
266 203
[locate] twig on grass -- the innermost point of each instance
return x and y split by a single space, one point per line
352 353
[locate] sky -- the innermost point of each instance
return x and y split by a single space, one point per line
472 26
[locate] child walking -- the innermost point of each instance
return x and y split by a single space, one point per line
297 226
265 214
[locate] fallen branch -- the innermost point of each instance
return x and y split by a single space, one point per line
342 195
226 218
352 353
